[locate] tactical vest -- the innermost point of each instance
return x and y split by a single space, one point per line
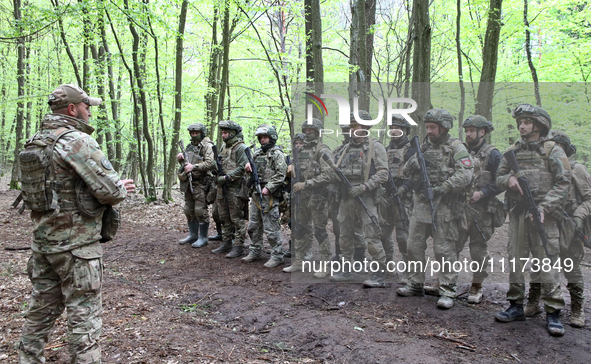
228 156
41 191
264 163
396 160
196 155
356 162
482 176
308 158
440 160
535 168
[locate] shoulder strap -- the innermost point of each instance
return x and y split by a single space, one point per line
345 150
369 161
548 146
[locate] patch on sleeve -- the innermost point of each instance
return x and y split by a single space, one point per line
466 161
106 164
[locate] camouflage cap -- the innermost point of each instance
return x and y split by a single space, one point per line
536 113
478 121
267 130
440 117
70 94
562 138
229 124
197 127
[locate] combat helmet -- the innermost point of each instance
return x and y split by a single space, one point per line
398 120
299 136
232 126
535 113
440 117
562 138
363 115
317 125
200 128
267 130
478 122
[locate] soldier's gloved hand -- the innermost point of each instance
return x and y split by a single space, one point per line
356 191
578 222
298 186
222 180
401 191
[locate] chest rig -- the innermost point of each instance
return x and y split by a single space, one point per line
534 165
482 176
308 160
356 162
196 155
41 190
228 156
264 163
396 160
439 160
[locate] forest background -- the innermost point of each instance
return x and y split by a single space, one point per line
162 65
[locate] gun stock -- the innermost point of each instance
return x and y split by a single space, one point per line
255 176
189 175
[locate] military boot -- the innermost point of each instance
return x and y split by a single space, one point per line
513 313
577 314
555 327
323 273
432 290
296 266
273 262
252 256
475 295
236 252
445 302
202 241
532 307
287 254
193 233
218 228
410 290
377 279
224 247
342 276
359 254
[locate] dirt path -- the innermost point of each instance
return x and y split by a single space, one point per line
165 303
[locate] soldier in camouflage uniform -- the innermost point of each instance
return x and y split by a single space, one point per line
399 152
449 169
298 141
578 207
483 202
365 164
313 209
271 168
67 206
200 163
232 214
546 167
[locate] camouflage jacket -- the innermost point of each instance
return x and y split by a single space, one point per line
234 160
359 168
271 167
77 156
579 201
315 171
546 168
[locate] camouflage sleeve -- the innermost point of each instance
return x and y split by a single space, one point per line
463 169
208 160
503 174
325 174
560 167
241 161
83 154
582 181
381 164
279 171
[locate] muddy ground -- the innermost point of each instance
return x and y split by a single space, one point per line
165 303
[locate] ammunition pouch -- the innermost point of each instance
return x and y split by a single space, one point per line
111 221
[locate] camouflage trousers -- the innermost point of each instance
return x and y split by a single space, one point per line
444 248
478 244
310 221
523 241
571 247
268 224
232 216
387 238
195 204
67 280
352 217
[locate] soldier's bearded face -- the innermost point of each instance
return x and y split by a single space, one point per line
81 111
433 130
526 126
396 134
264 139
472 134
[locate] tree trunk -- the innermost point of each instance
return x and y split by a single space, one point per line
178 87
317 50
421 77
225 64
68 50
532 68
486 87
460 71
353 51
211 95
20 80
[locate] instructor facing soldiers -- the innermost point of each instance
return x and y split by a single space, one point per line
199 165
68 184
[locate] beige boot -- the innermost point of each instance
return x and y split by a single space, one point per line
532 307
475 295
577 314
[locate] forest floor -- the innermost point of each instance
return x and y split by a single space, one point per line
166 303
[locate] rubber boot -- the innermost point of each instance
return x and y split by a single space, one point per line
513 313
532 307
377 279
359 254
218 228
202 241
224 247
555 327
236 252
193 233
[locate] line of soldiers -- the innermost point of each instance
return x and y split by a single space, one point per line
440 188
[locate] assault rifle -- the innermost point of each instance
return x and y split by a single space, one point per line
256 179
392 190
190 174
580 234
221 173
346 182
529 200
427 188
